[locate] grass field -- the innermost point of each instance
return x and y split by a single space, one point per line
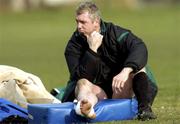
35 42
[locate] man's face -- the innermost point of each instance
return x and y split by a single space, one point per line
85 24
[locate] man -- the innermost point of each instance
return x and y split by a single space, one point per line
106 61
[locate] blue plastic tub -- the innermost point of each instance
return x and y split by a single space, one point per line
106 110
8 108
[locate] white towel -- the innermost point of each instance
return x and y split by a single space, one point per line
22 88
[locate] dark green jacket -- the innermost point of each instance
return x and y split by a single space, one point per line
120 48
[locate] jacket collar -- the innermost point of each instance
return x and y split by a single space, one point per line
103 27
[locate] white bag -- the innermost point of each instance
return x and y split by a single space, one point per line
22 88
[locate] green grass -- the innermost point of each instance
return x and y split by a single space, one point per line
35 42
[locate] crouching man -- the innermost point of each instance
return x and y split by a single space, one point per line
106 61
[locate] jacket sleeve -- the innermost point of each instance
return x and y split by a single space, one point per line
82 62
137 54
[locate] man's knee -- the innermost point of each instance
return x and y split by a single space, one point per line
83 82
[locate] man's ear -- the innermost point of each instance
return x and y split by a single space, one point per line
97 22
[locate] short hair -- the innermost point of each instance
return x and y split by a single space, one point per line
90 7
